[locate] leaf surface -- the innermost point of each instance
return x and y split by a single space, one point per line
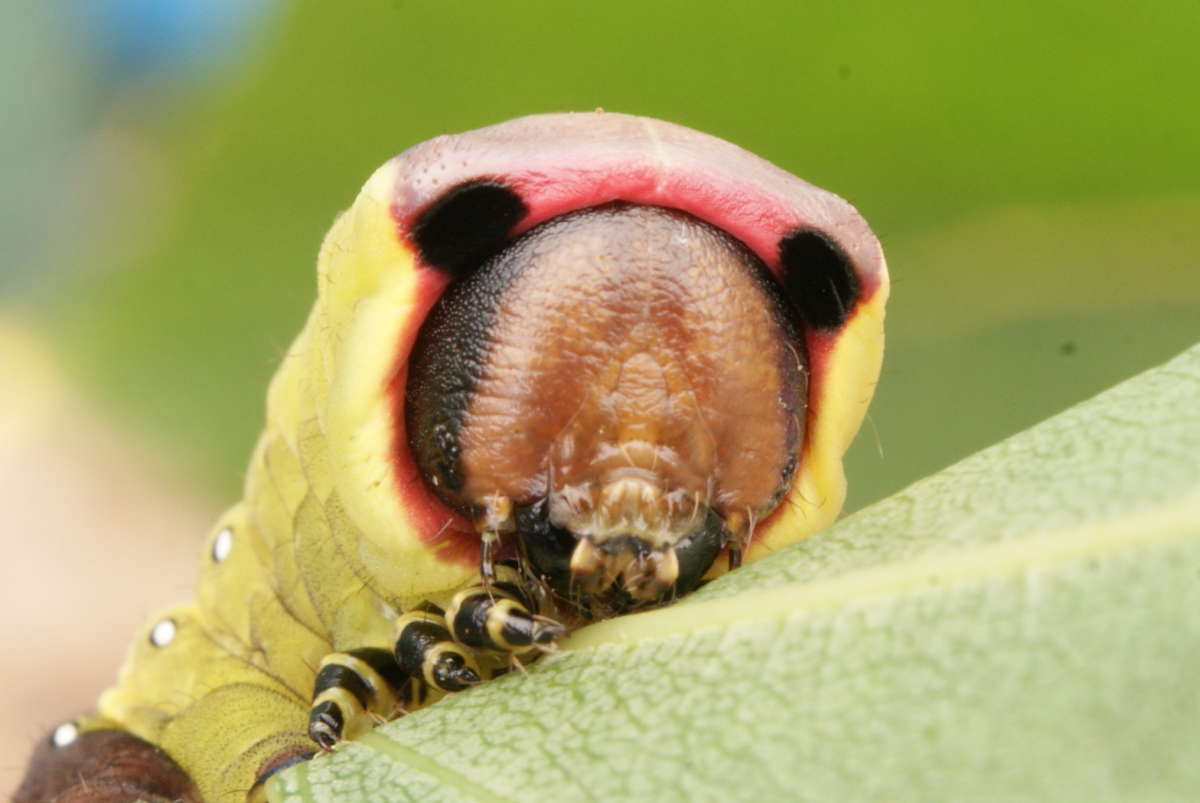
1022 625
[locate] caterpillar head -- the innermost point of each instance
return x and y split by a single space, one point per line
621 390
623 353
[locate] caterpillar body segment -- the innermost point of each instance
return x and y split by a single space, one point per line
88 760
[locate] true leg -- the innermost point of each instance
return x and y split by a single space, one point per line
497 618
355 689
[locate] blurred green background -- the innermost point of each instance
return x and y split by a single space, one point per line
1032 168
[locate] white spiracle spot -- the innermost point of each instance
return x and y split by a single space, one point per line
163 633
222 545
64 734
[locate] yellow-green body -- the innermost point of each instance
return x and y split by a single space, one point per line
322 558
325 551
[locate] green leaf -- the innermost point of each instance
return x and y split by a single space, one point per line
1023 625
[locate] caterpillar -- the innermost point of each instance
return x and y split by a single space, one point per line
558 369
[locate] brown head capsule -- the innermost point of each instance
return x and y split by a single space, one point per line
624 389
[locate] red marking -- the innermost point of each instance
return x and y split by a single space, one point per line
559 163
446 531
564 162
819 344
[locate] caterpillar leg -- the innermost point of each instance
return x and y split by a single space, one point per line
425 649
106 765
497 518
497 615
433 651
498 618
356 689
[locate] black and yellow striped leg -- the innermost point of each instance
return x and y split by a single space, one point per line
353 691
424 649
497 618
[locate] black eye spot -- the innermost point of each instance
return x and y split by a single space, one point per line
467 224
818 277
